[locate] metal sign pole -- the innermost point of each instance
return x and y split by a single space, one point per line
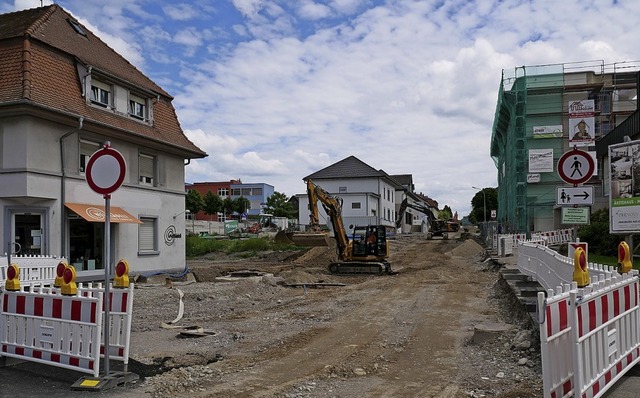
107 278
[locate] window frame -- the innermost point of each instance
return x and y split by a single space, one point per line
142 103
97 89
149 226
143 174
83 155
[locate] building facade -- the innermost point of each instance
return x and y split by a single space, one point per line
63 94
542 112
256 193
368 194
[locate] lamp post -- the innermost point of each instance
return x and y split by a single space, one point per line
484 202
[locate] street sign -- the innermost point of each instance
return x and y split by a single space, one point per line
568 196
105 170
576 166
576 215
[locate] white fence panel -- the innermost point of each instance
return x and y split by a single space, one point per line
62 331
32 269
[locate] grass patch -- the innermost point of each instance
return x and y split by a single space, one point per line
198 246
602 259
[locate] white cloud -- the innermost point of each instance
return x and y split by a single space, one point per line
181 11
309 9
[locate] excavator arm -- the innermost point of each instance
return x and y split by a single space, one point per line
333 207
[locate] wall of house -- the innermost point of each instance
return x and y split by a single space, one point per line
31 181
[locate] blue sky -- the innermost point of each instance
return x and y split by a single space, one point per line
275 90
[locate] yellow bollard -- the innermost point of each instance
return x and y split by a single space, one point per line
121 279
13 278
580 270
69 287
624 258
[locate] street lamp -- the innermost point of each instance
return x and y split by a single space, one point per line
484 202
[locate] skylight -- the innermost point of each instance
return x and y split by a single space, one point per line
76 26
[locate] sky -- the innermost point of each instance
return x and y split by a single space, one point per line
275 90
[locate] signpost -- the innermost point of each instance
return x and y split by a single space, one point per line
105 173
581 195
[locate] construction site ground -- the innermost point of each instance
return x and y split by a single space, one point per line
443 326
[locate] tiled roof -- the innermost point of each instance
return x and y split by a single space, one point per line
55 48
350 167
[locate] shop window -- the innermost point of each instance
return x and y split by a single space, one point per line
147 165
147 235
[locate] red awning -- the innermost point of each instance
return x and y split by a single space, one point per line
95 213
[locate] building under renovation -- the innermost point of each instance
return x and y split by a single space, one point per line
543 112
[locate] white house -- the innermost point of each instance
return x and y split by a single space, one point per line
63 94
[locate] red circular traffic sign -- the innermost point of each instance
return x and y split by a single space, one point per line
576 166
105 170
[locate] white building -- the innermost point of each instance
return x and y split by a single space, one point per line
63 94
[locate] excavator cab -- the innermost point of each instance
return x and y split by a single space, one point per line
369 240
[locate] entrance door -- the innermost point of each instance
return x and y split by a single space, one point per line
28 234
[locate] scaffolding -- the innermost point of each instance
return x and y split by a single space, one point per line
537 97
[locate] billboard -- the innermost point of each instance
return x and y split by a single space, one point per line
624 183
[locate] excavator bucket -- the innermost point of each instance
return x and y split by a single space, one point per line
302 238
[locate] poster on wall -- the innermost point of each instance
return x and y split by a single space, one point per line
541 160
624 183
581 122
548 131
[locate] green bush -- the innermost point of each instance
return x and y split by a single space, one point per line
198 246
597 235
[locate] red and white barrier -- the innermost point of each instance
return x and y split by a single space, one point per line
53 329
589 337
120 316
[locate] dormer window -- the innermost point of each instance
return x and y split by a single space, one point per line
100 93
137 107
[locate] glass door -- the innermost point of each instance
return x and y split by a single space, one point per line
28 234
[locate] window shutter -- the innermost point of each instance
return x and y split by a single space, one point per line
146 241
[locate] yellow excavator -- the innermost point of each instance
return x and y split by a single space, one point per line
364 252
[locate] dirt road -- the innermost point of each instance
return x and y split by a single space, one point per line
404 335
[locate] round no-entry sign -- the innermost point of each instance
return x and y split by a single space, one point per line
576 166
105 170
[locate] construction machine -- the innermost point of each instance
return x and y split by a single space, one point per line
436 227
365 252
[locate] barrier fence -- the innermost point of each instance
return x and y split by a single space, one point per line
120 316
32 269
550 268
589 337
48 328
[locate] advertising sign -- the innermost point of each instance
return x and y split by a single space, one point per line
581 122
624 180
540 160
547 131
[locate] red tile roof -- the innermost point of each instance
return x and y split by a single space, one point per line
39 46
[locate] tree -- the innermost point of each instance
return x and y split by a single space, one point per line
228 206
598 236
241 205
212 203
278 205
194 202
478 204
445 213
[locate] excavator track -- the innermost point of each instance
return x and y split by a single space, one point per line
361 267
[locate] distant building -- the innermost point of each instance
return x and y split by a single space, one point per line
256 193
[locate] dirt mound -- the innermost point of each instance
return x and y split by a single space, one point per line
469 248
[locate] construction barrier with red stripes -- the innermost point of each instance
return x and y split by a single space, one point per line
33 269
120 316
589 337
58 330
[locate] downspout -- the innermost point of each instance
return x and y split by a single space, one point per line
63 186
